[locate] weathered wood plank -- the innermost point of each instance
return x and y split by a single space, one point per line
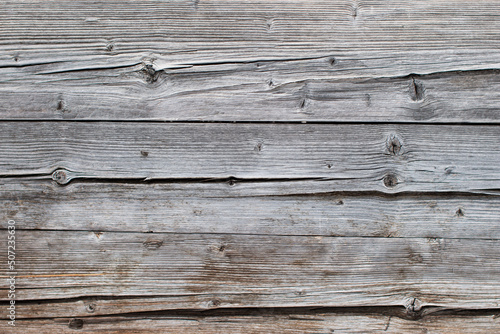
200 271
216 30
261 91
257 60
278 323
386 158
217 208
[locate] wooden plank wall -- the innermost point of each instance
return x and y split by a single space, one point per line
260 166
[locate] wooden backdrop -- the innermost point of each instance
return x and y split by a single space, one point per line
260 166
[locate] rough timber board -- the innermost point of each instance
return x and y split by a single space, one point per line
329 157
263 324
251 60
219 208
200 271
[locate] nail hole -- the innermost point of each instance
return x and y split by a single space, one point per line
91 308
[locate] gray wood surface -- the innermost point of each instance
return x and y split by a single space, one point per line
218 208
257 166
204 271
329 157
273 90
263 324
317 60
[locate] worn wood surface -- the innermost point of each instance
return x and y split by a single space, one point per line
331 157
226 270
290 324
285 165
219 208
347 60
274 90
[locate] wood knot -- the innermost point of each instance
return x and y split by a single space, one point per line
75 324
302 103
269 24
149 74
214 303
394 145
152 244
416 89
110 46
390 180
413 308
60 176
231 181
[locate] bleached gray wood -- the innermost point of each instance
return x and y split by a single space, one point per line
165 216
263 324
231 60
204 271
280 90
218 208
349 157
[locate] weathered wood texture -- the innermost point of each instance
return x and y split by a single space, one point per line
389 198
368 60
219 208
290 324
226 270
348 157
